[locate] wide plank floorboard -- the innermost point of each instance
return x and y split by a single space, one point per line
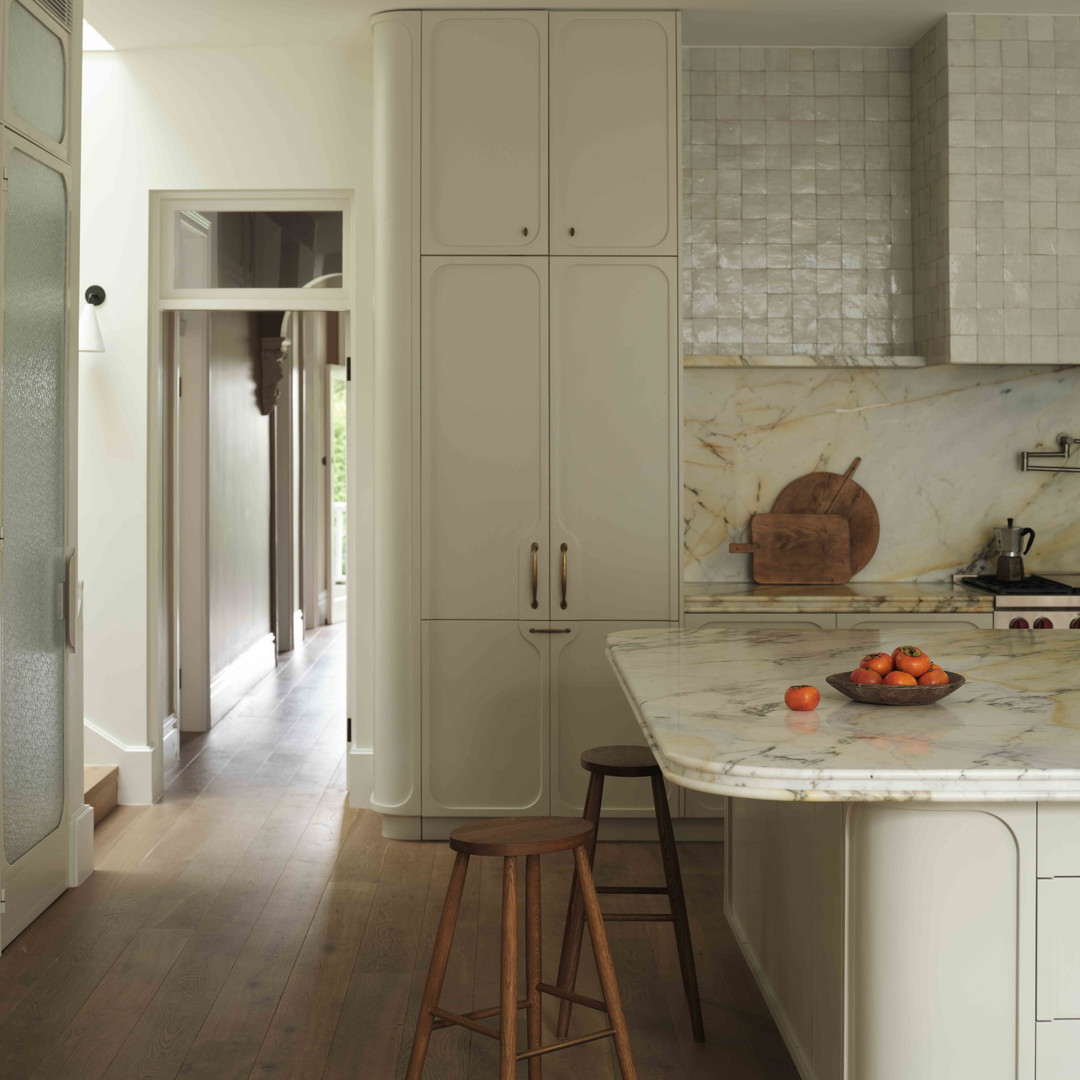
251 925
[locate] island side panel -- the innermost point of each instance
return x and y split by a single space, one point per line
785 902
941 941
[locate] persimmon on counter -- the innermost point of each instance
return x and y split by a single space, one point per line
907 665
802 698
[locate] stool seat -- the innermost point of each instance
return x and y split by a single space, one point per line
521 836
620 761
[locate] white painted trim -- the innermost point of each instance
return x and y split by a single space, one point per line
234 680
81 846
136 764
170 743
359 777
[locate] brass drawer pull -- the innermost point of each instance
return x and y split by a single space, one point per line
562 548
534 630
535 575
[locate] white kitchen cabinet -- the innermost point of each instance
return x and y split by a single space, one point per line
975 620
765 621
1058 949
485 689
484 438
1057 1049
484 132
614 439
1059 839
614 133
589 708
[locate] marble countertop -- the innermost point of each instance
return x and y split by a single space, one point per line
711 705
857 596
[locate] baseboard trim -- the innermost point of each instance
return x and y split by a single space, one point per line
629 830
234 680
136 764
360 777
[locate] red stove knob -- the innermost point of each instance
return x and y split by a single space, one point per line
1019 624
1075 624
1043 624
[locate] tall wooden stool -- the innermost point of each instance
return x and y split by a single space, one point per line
509 838
604 761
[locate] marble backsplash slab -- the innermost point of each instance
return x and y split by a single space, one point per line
940 449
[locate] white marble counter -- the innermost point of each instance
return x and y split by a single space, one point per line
711 705
858 596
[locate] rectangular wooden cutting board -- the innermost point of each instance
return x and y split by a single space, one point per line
799 549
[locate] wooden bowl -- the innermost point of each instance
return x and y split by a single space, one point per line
880 694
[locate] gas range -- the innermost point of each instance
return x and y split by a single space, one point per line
1034 603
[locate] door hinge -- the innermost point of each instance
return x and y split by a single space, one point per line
180 679
5 177
3 900
180 386
348 729
348 369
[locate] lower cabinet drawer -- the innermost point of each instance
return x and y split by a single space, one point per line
1057 1050
763 621
974 620
1057 990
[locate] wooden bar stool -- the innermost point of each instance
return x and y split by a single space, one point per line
604 761
509 838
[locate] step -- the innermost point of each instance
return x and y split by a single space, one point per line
100 783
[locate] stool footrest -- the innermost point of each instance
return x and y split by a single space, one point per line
607 1033
571 995
469 1020
633 890
620 916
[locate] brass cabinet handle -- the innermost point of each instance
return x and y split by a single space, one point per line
573 231
525 231
562 548
535 575
534 630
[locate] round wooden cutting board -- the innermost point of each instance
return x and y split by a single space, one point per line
811 493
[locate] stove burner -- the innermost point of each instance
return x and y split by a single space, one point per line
1029 586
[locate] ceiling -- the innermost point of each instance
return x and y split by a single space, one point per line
133 24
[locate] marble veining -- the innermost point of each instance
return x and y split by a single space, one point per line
710 703
861 596
940 457
824 360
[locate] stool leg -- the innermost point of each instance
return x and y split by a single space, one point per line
670 854
604 965
444 938
533 962
575 914
509 979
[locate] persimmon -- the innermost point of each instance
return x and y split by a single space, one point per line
880 662
802 698
912 660
900 678
865 675
933 677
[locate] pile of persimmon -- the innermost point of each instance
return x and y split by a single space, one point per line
906 666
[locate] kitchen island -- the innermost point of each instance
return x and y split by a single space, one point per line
904 882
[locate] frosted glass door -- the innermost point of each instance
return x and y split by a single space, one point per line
36 79
32 677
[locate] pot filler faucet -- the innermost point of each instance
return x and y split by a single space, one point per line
1065 442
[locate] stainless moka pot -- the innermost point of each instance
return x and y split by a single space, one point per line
1011 550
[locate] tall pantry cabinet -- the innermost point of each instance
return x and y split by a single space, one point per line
527 371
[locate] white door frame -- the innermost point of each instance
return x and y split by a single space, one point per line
163 298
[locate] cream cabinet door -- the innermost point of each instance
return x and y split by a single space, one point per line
614 133
485 719
484 438
589 708
614 439
484 132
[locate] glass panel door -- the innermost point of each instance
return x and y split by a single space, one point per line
31 626
36 77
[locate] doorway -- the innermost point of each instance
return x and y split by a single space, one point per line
256 499
249 376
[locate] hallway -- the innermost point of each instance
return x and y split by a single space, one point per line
250 924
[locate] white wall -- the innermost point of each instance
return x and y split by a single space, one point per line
178 119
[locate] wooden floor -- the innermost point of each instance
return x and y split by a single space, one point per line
251 925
